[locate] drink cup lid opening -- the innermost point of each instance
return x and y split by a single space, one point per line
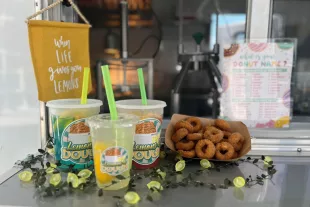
137 104
73 103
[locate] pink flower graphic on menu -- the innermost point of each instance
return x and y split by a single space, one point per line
257 47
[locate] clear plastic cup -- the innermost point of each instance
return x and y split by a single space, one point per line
72 141
147 136
112 147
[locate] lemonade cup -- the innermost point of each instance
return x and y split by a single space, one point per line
112 142
71 136
147 135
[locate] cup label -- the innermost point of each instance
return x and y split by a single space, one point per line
76 146
146 143
114 161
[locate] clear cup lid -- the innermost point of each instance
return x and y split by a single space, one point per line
137 104
73 103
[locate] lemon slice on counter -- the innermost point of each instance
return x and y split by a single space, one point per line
239 182
180 165
55 179
205 163
178 157
155 184
161 173
25 176
50 170
267 160
53 165
132 197
73 178
86 173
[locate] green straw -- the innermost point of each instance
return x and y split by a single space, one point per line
142 86
85 86
109 91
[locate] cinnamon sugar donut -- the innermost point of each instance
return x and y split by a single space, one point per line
184 124
213 134
194 136
205 149
222 124
187 154
224 151
185 145
195 122
179 135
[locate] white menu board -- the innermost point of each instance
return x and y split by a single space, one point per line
256 84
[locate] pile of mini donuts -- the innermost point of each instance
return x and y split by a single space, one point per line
192 139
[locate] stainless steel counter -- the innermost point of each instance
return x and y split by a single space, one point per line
290 187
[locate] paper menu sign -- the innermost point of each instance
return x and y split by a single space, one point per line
59 51
257 83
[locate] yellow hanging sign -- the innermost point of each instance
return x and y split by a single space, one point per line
59 51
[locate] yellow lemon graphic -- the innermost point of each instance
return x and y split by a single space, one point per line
101 177
155 138
285 120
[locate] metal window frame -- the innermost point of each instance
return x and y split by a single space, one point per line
294 141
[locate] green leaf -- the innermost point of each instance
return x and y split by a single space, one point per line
263 176
227 182
223 186
270 163
117 197
212 186
248 158
263 157
272 171
255 161
260 182
41 151
217 169
149 198
100 192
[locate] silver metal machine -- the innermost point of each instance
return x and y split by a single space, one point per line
200 69
125 89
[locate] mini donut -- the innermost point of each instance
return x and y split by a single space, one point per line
194 136
235 155
185 145
195 122
235 138
213 134
205 149
237 146
187 154
184 124
226 134
224 151
179 134
222 124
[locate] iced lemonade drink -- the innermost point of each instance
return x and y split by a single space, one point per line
146 146
112 142
72 143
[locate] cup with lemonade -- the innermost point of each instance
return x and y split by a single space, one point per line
72 142
112 142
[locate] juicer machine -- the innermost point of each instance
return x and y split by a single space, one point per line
190 62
